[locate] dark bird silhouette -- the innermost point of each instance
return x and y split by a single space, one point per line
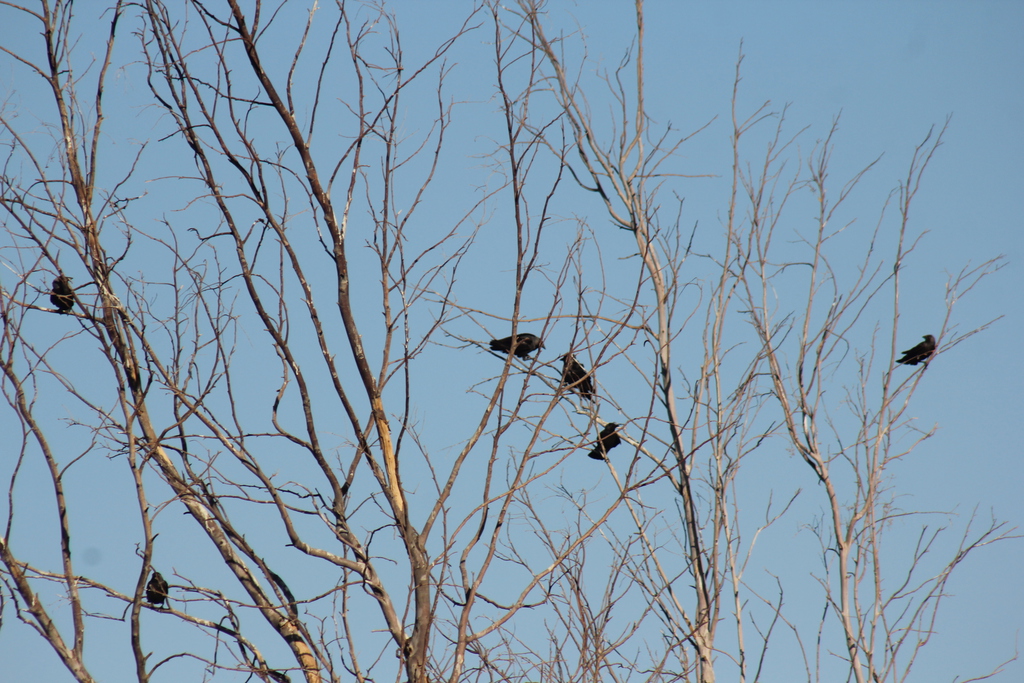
62 296
609 439
576 377
156 590
921 353
526 344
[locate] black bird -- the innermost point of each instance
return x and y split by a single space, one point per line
526 344
609 439
62 296
576 377
921 353
156 590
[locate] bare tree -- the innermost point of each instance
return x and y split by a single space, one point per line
262 306
805 354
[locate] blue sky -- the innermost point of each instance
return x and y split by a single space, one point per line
890 71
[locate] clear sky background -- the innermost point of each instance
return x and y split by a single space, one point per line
891 71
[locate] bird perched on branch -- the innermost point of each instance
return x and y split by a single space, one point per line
608 440
156 590
526 344
921 353
576 377
62 296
